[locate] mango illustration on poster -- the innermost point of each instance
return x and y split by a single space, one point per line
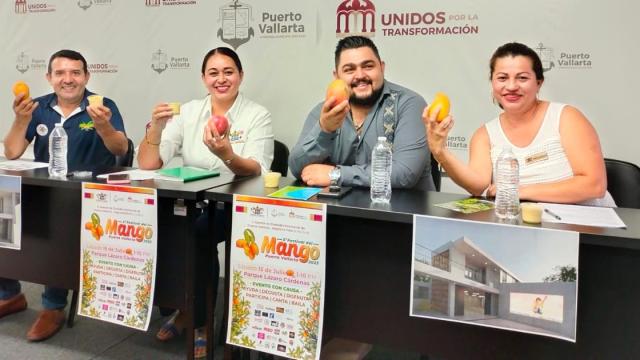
118 254
277 282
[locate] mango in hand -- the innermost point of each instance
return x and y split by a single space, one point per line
339 90
441 100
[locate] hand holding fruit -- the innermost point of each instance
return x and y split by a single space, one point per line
338 90
439 107
218 142
100 114
21 88
23 106
161 114
336 105
219 123
438 123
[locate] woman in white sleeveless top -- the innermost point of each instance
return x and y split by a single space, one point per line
557 148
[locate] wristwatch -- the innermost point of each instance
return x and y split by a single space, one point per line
334 177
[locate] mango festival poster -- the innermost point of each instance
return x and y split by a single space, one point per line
118 248
277 269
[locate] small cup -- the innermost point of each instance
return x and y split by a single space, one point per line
531 213
175 107
95 100
272 179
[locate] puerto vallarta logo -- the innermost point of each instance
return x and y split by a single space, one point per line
160 62
282 25
355 17
566 60
85 4
235 23
22 7
24 63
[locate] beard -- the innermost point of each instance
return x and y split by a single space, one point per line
367 101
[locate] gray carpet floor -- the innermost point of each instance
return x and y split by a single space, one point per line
87 339
97 340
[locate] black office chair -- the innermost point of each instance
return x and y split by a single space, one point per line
623 182
126 160
435 173
280 158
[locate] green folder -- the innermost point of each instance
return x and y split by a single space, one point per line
188 173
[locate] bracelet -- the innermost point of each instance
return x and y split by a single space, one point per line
228 162
149 142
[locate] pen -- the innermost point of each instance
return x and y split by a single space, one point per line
552 214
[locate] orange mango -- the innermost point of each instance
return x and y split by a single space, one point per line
441 100
339 89
20 87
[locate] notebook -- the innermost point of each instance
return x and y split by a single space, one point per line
188 173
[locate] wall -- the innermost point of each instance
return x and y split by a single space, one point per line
440 296
147 51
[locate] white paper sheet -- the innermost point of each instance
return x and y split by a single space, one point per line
582 215
19 165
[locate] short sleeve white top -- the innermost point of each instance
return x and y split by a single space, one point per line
250 134
544 159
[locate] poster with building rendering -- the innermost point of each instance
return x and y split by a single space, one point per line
10 211
510 277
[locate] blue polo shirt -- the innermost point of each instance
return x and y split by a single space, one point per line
85 147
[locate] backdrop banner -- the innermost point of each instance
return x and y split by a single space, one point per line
144 52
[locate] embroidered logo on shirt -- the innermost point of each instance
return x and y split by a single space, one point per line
531 159
236 136
86 126
42 129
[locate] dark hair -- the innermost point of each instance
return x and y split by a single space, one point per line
516 49
224 51
68 54
354 42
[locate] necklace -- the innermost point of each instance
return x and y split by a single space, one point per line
358 127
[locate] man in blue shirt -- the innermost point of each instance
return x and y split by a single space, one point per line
95 136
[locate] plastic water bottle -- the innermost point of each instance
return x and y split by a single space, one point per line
58 152
507 176
381 158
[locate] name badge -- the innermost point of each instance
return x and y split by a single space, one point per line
532 159
236 136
